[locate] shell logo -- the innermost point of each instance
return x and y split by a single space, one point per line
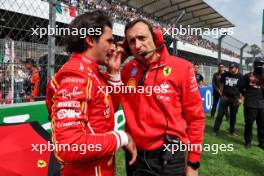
132 82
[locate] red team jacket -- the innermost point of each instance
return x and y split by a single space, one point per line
82 115
178 112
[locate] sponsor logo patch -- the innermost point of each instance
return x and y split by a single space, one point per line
167 71
132 82
69 104
41 163
164 87
72 80
68 124
68 113
134 71
68 95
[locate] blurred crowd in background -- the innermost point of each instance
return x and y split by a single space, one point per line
122 13
29 79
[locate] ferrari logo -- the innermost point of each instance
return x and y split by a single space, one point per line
167 71
41 163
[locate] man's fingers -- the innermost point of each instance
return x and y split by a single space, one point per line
120 49
133 157
131 148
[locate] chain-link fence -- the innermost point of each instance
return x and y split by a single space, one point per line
24 70
207 72
14 75
24 51
27 41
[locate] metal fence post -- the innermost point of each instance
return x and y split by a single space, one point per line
51 39
220 48
241 57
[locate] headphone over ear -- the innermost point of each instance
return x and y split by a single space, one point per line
157 37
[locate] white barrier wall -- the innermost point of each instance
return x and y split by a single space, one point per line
204 52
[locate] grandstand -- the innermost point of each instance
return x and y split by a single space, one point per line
18 44
19 17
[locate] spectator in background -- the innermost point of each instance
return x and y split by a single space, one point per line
43 79
31 83
231 97
19 77
253 109
74 3
259 71
216 89
123 14
1 85
198 76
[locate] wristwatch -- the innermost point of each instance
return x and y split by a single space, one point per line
194 165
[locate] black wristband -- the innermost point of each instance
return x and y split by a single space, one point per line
195 165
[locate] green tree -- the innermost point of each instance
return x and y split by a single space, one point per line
254 50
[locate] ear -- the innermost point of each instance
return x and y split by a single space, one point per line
90 41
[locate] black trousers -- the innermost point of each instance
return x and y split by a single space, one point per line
252 114
216 97
225 103
150 163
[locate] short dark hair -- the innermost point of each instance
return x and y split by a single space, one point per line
233 64
30 62
220 64
134 22
94 19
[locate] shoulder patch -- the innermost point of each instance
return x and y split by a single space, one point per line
134 71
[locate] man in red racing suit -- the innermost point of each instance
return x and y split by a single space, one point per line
81 112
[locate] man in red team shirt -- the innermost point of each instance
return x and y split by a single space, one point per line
80 114
165 119
33 81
